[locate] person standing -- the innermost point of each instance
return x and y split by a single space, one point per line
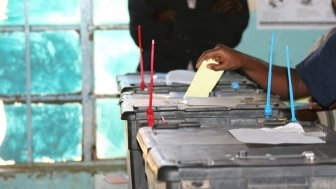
183 29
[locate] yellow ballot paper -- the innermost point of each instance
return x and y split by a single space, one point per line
204 80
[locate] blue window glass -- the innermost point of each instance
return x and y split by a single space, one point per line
55 61
11 12
56 68
41 12
54 12
57 133
115 54
110 130
110 12
14 145
12 64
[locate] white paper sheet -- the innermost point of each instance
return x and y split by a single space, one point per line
291 133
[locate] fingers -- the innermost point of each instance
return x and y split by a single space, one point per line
227 58
217 54
210 55
216 67
206 55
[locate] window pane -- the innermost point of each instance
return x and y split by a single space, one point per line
41 12
54 12
110 12
12 63
115 53
55 60
14 146
11 12
57 133
110 130
52 141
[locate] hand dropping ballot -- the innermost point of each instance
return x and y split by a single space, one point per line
204 80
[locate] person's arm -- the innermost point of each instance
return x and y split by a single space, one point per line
255 69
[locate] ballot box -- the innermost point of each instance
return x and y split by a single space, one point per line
211 157
228 109
229 81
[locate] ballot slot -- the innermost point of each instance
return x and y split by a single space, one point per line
133 110
229 81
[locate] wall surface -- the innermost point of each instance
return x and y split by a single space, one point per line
257 42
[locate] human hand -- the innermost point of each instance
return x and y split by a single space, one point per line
227 58
226 6
165 16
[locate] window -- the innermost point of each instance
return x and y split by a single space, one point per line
57 78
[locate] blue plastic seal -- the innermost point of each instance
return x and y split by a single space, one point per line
235 85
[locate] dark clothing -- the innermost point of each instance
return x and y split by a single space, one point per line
318 71
193 32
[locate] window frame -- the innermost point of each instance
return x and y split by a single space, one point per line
87 96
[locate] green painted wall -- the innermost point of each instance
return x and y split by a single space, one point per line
256 42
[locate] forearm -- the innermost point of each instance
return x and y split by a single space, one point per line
257 70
